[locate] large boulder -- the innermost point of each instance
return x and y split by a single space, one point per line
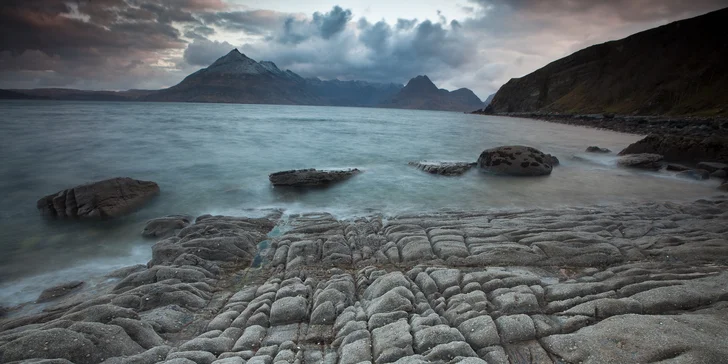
713 166
643 161
515 160
444 168
104 199
310 177
681 148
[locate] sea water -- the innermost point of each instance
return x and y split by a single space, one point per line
215 159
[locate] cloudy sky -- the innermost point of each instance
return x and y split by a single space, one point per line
479 44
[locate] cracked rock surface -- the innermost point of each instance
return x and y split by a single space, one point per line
637 283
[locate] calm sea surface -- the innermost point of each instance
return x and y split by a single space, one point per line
215 158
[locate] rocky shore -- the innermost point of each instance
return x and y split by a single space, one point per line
683 126
635 283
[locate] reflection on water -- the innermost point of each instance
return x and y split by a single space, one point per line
215 158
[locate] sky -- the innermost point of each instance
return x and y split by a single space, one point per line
151 44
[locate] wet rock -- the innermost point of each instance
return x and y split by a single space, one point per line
691 338
199 357
166 226
151 356
310 177
515 161
721 173
51 344
697 174
251 338
449 351
429 337
140 331
444 168
52 293
288 310
515 328
108 340
713 166
170 318
723 187
393 336
480 332
676 167
216 345
595 149
642 161
104 199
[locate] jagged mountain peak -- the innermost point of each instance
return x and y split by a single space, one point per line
420 83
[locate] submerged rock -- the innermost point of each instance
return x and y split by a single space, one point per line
310 177
60 290
676 167
165 226
698 174
104 199
595 149
515 160
444 168
724 186
644 161
713 166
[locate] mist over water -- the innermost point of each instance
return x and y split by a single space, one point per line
215 158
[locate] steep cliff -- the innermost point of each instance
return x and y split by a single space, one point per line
677 69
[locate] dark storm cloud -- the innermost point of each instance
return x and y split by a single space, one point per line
333 22
202 52
82 40
251 22
627 10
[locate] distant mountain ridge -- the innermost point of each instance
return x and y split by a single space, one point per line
235 78
677 69
421 93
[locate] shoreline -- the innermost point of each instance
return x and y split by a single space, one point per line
639 125
550 283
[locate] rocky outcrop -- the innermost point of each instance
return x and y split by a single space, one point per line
626 77
310 177
681 148
163 227
595 149
104 199
444 168
449 287
421 93
58 291
642 161
515 160
697 174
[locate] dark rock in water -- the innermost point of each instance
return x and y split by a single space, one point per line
3 311
595 149
310 177
681 148
52 293
515 160
676 167
165 226
552 160
444 168
712 166
721 173
644 161
724 186
698 174
104 199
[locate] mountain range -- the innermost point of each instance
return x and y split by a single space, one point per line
677 69
235 78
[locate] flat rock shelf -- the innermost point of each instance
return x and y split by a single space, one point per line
636 283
